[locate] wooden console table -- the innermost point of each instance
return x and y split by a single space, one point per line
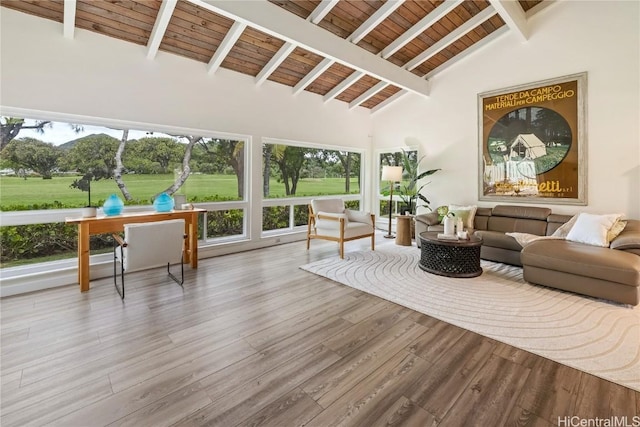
115 224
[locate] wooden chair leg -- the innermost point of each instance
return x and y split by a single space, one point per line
373 242
341 249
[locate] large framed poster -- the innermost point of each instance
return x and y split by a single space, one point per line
533 142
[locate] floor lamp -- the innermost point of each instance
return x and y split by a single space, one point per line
392 174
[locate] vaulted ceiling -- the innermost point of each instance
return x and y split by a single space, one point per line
366 53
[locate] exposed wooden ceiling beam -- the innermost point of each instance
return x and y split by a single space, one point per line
413 32
340 87
69 20
321 10
364 29
374 20
273 20
513 15
451 37
160 27
225 47
314 74
274 62
368 94
384 104
468 51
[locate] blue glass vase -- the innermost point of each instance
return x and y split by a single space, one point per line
163 203
113 205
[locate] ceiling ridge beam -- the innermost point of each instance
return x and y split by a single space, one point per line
513 15
434 16
275 62
286 26
468 51
313 74
69 19
340 87
225 47
322 10
368 94
451 37
374 20
160 27
390 100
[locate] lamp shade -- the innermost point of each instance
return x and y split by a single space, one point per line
391 173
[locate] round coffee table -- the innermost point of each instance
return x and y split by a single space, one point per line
451 258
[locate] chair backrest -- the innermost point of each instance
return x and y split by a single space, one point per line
327 205
153 244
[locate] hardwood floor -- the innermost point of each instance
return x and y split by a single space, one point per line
253 340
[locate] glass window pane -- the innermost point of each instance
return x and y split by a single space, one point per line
76 163
301 214
290 171
275 217
225 223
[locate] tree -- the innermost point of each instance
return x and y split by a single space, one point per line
93 152
290 162
186 168
30 153
117 172
266 168
162 152
231 153
11 126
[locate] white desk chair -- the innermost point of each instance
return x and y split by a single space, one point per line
149 245
329 220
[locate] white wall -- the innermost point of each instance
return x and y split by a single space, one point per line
602 38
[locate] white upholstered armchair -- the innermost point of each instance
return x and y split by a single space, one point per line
149 245
329 220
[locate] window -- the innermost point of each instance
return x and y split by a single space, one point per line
297 173
57 165
394 158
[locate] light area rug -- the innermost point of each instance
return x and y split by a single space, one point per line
588 334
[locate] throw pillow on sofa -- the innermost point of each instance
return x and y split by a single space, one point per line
467 213
593 229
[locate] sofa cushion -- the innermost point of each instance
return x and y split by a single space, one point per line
519 225
593 229
481 218
525 212
630 236
583 260
498 239
467 213
430 218
556 222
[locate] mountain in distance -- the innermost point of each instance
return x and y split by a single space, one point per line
70 144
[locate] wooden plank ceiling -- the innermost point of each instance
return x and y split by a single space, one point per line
421 37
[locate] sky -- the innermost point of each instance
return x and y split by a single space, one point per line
60 133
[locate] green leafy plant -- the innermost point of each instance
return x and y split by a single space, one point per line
84 183
410 193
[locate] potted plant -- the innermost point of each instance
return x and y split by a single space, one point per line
410 193
84 184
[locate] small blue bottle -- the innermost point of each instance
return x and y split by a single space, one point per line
113 205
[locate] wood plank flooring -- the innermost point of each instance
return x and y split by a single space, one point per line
252 340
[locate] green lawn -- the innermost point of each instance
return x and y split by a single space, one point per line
33 190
